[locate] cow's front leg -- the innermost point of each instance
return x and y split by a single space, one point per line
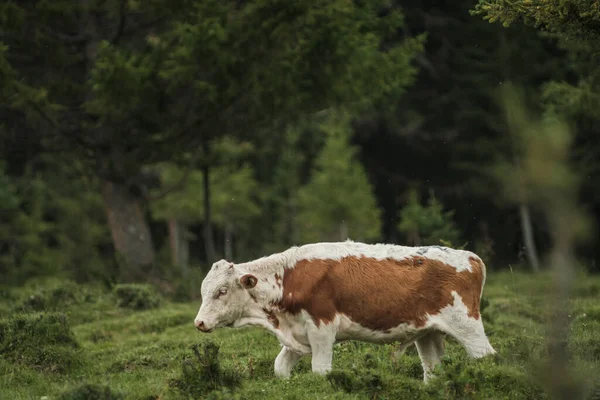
285 361
321 339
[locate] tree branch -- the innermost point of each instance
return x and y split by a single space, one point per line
122 21
71 134
80 38
181 182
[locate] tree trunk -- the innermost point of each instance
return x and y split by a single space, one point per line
179 245
129 229
413 238
174 238
527 229
228 241
209 242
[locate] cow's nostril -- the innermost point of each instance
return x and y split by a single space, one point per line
200 325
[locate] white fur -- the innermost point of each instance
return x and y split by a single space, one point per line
285 361
299 335
454 320
459 259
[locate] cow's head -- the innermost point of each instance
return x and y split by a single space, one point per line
225 296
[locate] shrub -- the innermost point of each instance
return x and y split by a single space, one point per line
42 341
428 225
89 391
356 381
99 336
459 377
57 295
202 373
136 296
52 299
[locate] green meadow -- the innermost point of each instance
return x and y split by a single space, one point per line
59 340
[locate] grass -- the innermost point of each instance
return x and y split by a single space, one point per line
66 341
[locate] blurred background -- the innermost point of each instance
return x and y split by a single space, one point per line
144 140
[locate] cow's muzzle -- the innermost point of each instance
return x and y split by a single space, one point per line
201 327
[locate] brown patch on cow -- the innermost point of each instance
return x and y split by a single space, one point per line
278 280
379 294
272 318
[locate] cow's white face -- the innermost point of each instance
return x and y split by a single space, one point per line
224 296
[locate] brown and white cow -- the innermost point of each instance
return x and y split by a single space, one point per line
316 295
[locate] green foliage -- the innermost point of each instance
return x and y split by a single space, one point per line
49 228
544 174
90 391
43 341
279 193
356 381
575 24
428 225
338 202
459 378
271 52
202 373
136 296
233 195
54 299
123 85
575 19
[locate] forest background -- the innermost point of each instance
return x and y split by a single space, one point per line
143 140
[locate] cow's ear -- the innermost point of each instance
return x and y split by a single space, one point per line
248 281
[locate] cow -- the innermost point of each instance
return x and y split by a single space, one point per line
316 295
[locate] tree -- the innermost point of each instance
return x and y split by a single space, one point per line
552 183
125 84
338 202
449 129
49 228
429 225
575 95
575 24
233 199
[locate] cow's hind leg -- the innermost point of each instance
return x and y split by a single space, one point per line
431 349
285 361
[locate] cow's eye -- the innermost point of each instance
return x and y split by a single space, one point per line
222 292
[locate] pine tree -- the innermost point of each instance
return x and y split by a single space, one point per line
338 202
575 23
427 225
234 200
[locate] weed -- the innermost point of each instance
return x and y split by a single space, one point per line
52 299
89 391
136 296
98 336
42 341
351 381
202 373
458 377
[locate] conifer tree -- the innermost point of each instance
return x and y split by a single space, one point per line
338 201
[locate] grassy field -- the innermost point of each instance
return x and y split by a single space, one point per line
62 341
